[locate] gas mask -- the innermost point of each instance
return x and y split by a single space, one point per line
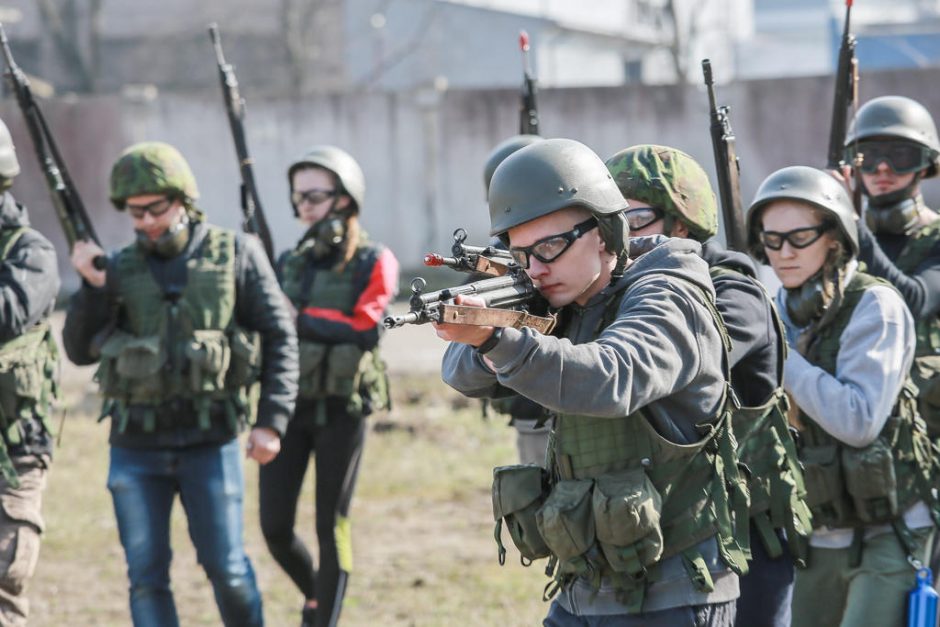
171 243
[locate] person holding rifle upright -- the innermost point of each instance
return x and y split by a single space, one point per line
340 283
669 194
29 284
174 322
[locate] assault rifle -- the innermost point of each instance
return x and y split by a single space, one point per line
528 108
727 166
254 221
846 93
506 293
68 205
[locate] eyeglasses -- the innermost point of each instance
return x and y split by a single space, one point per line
156 208
901 156
798 238
550 248
642 217
312 196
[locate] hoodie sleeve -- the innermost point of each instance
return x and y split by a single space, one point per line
29 284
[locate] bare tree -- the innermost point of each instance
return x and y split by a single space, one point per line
75 27
685 18
313 40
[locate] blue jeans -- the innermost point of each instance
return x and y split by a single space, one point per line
767 588
143 485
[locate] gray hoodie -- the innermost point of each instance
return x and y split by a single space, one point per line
662 353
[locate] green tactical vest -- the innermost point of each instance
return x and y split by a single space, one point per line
767 449
624 498
184 349
28 384
925 371
335 370
855 487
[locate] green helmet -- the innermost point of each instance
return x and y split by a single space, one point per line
503 150
151 168
899 118
547 176
9 166
348 173
671 180
808 185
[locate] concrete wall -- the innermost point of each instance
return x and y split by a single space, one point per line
423 152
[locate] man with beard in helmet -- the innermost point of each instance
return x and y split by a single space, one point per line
29 283
340 284
635 510
669 194
183 322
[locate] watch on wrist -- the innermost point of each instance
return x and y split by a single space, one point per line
491 341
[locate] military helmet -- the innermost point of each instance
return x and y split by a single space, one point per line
808 185
503 150
151 168
9 166
899 118
671 180
348 173
547 176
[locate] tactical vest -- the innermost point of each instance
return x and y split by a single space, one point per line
855 487
343 371
621 498
27 377
183 347
925 371
767 449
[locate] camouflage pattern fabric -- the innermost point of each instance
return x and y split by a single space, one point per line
670 180
151 168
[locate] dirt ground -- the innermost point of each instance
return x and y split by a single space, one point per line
422 525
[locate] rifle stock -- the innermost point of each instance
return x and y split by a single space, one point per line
727 166
846 93
528 107
68 205
254 220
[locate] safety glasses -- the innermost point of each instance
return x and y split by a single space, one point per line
901 156
798 238
642 217
156 208
312 196
550 248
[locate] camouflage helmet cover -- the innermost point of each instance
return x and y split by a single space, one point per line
151 168
807 185
900 118
671 180
546 176
348 173
9 166
503 150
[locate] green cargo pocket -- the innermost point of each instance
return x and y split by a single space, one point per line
518 492
565 519
871 481
825 491
208 355
312 356
245 366
131 366
343 364
627 509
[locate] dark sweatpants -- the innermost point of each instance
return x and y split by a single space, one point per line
767 588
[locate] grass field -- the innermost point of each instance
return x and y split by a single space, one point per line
422 526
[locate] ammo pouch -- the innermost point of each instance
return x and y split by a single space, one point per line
926 375
130 367
208 356
626 518
518 492
343 364
245 366
312 362
344 371
825 492
22 376
566 519
871 482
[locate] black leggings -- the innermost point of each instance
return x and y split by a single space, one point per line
337 449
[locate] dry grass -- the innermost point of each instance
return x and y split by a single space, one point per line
422 527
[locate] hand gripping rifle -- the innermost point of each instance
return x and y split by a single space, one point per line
727 166
68 204
528 108
846 95
506 293
254 221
